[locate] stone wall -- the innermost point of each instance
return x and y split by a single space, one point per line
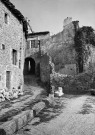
61 48
69 69
67 21
12 37
45 69
81 83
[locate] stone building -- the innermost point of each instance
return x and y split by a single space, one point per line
13 30
62 48
33 52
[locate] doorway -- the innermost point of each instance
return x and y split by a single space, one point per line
29 66
8 79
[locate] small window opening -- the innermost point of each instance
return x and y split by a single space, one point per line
19 63
32 43
14 56
28 44
0 78
3 47
6 18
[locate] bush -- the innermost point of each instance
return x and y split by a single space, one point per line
80 83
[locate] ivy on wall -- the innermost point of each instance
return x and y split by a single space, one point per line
84 36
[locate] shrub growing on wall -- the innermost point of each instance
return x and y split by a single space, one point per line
81 83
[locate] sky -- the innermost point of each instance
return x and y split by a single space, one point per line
48 15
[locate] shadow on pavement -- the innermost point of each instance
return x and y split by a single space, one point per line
89 106
51 111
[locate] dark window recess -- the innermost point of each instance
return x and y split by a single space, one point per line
0 77
37 43
6 18
19 63
32 43
28 44
8 79
3 47
14 56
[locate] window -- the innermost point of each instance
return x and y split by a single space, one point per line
28 44
14 56
0 78
32 43
20 58
37 43
3 47
19 63
8 79
6 18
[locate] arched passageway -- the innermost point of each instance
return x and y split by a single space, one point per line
29 66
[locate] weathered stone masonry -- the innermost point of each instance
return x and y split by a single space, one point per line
34 53
61 48
12 48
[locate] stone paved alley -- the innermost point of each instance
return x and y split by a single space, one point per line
68 115
8 109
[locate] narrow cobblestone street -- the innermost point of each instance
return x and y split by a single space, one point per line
47 67
68 115
8 109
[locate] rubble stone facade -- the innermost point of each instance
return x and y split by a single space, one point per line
33 52
61 48
12 49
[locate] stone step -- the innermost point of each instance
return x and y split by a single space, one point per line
11 109
38 107
20 120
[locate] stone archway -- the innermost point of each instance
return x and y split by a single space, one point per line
29 66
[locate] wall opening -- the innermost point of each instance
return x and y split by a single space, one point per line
8 79
29 66
6 18
14 57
